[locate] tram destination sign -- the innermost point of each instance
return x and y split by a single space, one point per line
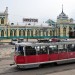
30 20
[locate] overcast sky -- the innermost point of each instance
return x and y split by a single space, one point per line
40 9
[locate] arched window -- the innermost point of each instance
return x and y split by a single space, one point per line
2 21
15 33
28 33
39 32
2 33
50 33
46 33
23 32
19 32
11 33
70 32
31 32
53 32
58 31
43 32
64 31
70 29
36 32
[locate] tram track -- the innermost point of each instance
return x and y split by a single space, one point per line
44 70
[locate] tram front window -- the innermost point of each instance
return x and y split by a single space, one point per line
19 50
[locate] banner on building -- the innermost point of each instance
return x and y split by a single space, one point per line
29 20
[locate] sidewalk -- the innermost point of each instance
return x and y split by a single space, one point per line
68 72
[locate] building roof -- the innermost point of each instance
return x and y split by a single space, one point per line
31 24
50 22
62 15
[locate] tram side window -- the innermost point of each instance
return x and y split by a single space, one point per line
30 50
53 49
62 48
21 50
42 50
71 47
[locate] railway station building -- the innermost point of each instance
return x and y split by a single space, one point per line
63 28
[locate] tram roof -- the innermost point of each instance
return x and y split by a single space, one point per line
44 44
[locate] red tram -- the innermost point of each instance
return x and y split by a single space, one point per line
28 55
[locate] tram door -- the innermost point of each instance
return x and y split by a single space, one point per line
30 54
62 51
42 53
71 50
53 52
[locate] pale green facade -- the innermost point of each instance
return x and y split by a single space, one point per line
60 29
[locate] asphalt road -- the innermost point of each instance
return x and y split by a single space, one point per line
43 70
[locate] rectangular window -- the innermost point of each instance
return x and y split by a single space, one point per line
30 50
71 47
41 50
53 49
62 48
